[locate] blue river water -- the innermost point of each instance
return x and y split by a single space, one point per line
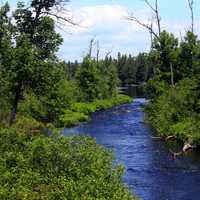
150 170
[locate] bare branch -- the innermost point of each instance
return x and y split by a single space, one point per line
156 13
152 8
150 28
62 18
108 53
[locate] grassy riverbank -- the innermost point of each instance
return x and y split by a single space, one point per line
80 112
175 113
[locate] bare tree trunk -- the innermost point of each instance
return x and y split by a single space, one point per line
157 17
151 36
90 47
172 74
15 104
191 6
98 51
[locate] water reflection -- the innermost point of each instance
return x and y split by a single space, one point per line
137 91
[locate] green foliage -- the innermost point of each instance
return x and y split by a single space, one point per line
60 97
88 78
115 101
131 69
28 124
156 87
174 112
85 108
189 55
32 106
71 118
57 167
79 112
97 80
37 92
187 129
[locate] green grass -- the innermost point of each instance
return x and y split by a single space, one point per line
71 118
79 112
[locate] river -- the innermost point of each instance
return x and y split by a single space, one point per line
150 171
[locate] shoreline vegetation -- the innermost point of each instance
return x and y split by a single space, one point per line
80 112
40 92
174 109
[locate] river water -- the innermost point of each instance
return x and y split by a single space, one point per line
150 171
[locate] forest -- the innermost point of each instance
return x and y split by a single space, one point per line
42 94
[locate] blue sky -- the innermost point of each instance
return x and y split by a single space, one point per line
103 20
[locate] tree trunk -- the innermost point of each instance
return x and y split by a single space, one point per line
15 104
158 18
172 74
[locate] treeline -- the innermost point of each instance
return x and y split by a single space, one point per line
131 70
174 89
39 93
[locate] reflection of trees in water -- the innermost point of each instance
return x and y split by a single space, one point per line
134 91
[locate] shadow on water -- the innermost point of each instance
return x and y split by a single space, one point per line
137 91
150 170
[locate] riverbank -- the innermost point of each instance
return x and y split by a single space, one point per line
80 112
174 115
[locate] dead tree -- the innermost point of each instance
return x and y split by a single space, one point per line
155 11
91 47
98 51
150 28
191 6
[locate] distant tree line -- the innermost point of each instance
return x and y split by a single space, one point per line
130 69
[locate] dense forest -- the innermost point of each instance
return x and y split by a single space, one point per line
131 70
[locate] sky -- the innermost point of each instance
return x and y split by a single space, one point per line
104 21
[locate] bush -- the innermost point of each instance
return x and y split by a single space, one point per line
79 112
187 130
156 87
28 124
57 168
70 118
85 108
175 112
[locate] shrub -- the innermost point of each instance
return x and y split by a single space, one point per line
70 118
57 168
79 112
28 124
85 108
175 112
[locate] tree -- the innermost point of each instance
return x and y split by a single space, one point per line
88 78
189 55
30 44
166 45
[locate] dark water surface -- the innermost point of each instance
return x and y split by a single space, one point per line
151 171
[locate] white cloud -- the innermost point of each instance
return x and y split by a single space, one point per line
107 24
100 16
